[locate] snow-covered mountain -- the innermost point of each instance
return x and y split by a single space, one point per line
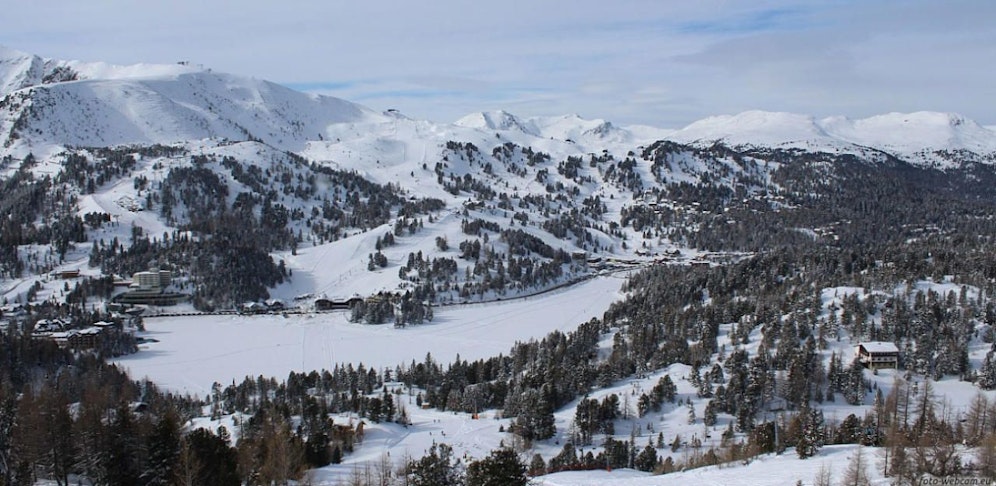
71 103
98 105
21 70
928 138
498 120
570 128
570 182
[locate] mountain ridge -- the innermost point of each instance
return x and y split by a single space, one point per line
190 102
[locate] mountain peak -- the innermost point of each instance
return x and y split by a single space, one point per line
923 136
19 70
910 133
7 53
111 105
752 128
497 120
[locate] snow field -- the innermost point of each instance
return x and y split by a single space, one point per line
194 352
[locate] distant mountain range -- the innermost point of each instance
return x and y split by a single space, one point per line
69 103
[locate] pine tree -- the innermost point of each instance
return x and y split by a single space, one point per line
709 417
987 374
565 460
163 447
501 468
535 420
8 411
647 459
436 468
121 465
811 432
208 459
316 449
537 466
854 388
61 452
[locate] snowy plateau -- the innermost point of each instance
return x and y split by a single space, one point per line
617 305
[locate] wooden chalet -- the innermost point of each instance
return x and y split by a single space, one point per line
877 354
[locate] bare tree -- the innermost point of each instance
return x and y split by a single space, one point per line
384 470
977 421
856 473
986 455
824 476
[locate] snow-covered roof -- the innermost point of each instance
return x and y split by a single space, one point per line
879 347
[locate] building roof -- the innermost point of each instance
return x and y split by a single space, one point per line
879 347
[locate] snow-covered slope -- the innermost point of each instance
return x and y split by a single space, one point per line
914 135
927 138
21 70
58 103
583 134
757 128
498 120
104 105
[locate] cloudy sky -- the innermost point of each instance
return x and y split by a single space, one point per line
658 62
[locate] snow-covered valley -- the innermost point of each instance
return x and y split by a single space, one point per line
617 305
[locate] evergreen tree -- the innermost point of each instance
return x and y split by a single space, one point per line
849 430
163 447
316 450
501 468
854 386
810 433
121 466
535 419
987 374
647 459
537 466
206 459
436 468
566 459
709 417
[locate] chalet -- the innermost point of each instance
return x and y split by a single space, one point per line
253 308
87 338
323 304
50 325
13 310
66 274
877 354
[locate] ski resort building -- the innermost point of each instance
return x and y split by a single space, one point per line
877 355
150 288
152 281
